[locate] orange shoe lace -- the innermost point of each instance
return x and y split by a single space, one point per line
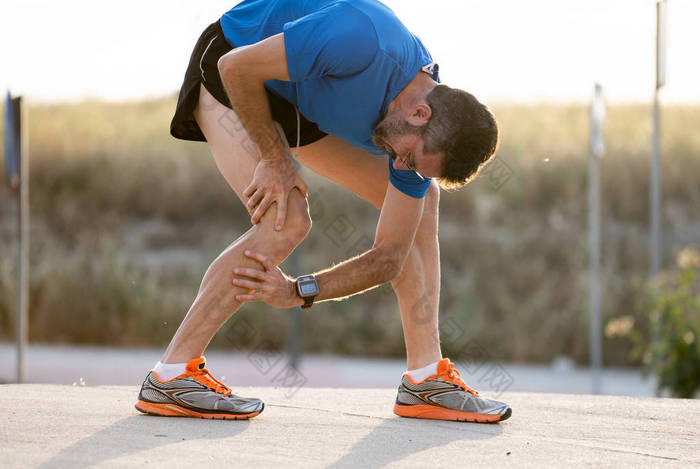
204 377
451 375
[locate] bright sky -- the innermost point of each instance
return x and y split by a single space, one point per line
500 50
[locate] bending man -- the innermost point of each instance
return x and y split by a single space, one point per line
359 97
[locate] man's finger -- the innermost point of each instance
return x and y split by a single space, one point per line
247 272
254 199
262 258
249 297
262 208
250 189
281 212
250 284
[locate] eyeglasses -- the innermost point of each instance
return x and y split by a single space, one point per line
405 158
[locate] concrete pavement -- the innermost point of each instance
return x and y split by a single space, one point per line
50 426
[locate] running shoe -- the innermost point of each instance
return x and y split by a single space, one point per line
444 396
195 393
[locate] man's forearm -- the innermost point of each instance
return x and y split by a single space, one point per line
250 102
369 270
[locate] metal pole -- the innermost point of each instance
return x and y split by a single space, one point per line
23 306
655 234
655 193
294 322
655 162
17 164
597 116
294 337
294 317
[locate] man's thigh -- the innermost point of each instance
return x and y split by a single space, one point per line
236 157
228 141
234 152
349 166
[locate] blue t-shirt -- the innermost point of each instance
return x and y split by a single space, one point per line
347 60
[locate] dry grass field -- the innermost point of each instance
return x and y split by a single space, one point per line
125 220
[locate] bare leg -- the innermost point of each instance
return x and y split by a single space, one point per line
215 301
418 286
418 290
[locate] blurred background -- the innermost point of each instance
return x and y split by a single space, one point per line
125 219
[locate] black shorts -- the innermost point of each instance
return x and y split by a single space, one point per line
202 69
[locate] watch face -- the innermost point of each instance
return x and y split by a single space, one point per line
308 288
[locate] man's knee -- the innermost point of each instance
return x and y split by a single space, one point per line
298 222
296 226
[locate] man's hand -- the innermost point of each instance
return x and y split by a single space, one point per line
272 182
244 71
270 285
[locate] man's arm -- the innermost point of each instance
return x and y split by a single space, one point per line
396 230
244 71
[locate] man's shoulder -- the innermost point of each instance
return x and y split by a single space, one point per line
351 20
341 34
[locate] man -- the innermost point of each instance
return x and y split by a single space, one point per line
359 97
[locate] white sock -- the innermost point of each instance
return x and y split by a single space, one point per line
421 373
168 371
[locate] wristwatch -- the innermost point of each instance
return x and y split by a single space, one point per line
307 288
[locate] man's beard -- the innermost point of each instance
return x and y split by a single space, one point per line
392 126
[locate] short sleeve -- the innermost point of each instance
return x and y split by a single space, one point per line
408 181
337 40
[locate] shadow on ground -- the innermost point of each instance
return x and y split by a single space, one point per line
397 438
141 433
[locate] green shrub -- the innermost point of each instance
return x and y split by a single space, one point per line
675 356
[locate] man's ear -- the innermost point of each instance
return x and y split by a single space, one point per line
420 115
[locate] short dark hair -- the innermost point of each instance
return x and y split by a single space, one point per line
464 130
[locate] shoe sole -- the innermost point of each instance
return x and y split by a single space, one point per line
424 411
173 410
